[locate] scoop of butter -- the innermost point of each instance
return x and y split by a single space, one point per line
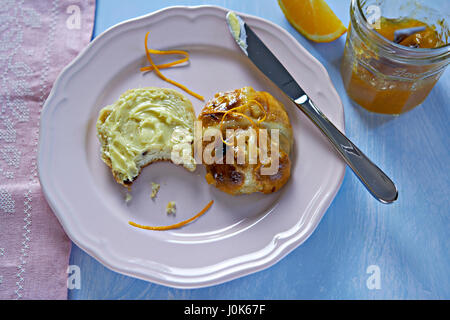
142 127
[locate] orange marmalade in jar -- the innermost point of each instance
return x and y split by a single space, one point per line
387 77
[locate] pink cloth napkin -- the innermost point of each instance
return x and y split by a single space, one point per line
37 39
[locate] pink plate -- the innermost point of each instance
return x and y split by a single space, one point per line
239 234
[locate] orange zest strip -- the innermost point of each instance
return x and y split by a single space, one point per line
167 65
174 226
149 58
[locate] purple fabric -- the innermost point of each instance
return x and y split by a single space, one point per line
37 39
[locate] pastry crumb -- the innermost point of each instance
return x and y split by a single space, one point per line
155 189
171 207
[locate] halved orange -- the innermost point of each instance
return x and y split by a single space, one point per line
313 18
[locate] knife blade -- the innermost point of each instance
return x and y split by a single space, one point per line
373 178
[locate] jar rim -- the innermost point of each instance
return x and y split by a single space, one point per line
398 51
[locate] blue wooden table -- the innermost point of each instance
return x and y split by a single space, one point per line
362 249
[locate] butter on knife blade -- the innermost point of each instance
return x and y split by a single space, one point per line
236 25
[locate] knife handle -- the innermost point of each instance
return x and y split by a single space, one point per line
375 180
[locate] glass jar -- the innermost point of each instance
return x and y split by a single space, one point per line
386 77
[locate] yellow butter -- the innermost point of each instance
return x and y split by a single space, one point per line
235 27
140 126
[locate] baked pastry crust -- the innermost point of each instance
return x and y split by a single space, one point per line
247 178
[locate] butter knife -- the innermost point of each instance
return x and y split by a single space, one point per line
374 179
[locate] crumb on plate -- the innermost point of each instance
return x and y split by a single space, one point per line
155 189
171 208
